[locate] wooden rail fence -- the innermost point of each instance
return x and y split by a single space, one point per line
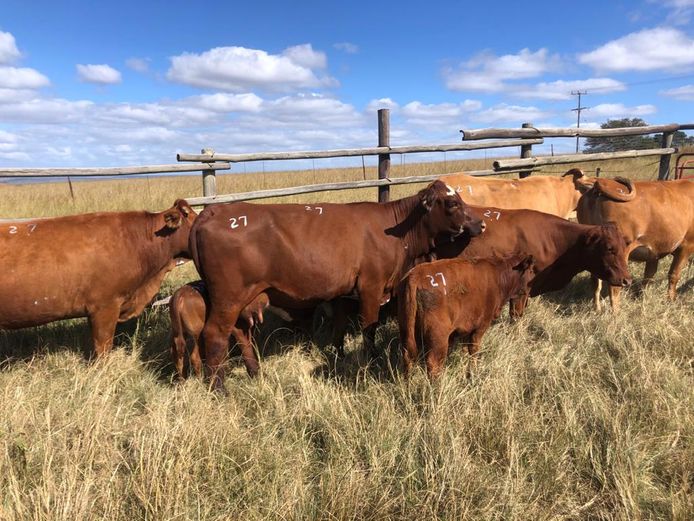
209 162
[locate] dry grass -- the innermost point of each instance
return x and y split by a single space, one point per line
572 415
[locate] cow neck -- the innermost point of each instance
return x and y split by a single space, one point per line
162 243
408 214
570 261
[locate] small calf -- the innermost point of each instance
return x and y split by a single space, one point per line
449 296
187 308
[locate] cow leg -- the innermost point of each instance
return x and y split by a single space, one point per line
615 292
649 271
339 325
436 344
597 289
215 337
195 359
516 307
473 349
408 345
680 257
368 318
178 351
250 360
102 322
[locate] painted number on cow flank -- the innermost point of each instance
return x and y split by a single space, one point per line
241 220
489 214
318 209
432 280
459 189
30 227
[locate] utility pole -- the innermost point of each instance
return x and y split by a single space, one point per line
578 110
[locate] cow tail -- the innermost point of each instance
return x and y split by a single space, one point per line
193 247
407 316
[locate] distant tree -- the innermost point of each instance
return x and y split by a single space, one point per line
612 144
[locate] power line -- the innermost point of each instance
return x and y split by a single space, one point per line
578 110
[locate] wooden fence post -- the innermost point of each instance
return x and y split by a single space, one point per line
526 152
383 159
664 170
209 179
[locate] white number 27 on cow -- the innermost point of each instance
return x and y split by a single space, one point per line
241 220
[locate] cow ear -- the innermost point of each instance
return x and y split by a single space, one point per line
183 206
173 218
428 197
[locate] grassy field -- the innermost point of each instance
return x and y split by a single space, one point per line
572 414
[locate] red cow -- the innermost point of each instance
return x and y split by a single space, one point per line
437 299
561 249
312 253
105 266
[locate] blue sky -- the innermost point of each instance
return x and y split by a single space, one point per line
118 83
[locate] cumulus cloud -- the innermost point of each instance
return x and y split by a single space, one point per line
686 93
561 89
346 47
140 65
440 113
241 69
489 73
21 78
651 49
619 110
8 49
100 74
225 102
509 114
382 103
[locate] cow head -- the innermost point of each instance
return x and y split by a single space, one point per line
446 213
176 223
606 254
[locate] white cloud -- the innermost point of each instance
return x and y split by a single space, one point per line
438 114
22 78
618 110
686 93
100 74
650 49
45 111
305 56
16 95
561 89
241 69
8 49
225 102
140 65
509 114
347 47
680 10
488 73
382 103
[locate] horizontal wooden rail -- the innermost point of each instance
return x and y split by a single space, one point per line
504 165
326 187
495 133
110 171
270 156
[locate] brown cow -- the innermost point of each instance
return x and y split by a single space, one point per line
655 217
561 249
187 309
437 299
105 266
553 195
313 253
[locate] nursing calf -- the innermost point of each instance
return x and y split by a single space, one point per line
443 297
655 217
105 266
308 254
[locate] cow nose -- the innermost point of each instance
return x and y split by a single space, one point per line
626 282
